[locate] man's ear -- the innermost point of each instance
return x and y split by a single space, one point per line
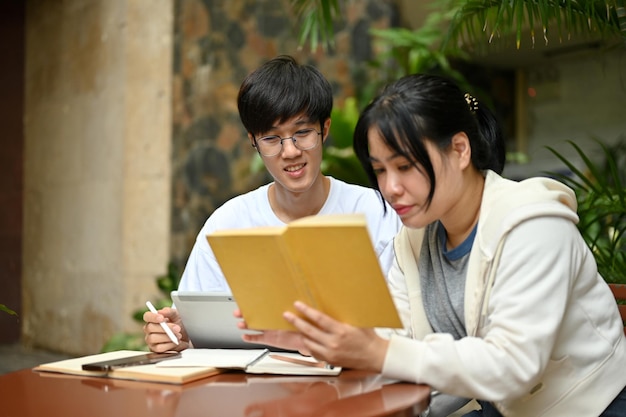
461 149
326 129
251 138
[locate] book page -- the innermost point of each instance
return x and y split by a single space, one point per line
253 361
217 358
269 364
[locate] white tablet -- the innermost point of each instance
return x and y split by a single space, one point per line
209 321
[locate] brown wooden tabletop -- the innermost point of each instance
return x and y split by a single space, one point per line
27 393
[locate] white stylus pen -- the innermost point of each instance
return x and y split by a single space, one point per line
165 327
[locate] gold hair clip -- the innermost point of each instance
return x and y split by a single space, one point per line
471 102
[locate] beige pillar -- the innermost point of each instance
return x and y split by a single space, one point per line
97 167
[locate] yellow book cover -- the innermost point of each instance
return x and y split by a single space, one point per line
326 261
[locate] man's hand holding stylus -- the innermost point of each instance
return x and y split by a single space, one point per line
156 338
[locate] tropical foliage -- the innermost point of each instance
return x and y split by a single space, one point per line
601 194
339 160
316 21
479 22
409 51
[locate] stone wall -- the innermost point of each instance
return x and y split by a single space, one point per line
217 43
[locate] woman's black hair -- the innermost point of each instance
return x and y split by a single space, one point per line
281 89
428 107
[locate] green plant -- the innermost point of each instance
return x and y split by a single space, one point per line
601 194
135 340
7 310
477 21
315 19
339 160
406 51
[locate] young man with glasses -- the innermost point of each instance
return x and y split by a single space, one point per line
285 108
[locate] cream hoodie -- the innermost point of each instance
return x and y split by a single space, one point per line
544 334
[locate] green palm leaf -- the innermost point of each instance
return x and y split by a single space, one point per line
601 196
316 19
7 310
478 20
498 18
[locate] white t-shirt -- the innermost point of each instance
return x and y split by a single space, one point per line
202 273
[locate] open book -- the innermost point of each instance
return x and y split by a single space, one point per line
252 361
325 261
148 372
195 364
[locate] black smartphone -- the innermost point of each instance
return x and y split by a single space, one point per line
145 359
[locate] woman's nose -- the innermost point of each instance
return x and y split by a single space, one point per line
392 186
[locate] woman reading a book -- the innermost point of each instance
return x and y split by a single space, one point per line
285 107
501 295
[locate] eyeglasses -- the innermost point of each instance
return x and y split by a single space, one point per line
304 140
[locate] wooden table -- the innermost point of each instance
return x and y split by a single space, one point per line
27 393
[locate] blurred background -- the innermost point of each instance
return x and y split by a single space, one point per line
121 133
